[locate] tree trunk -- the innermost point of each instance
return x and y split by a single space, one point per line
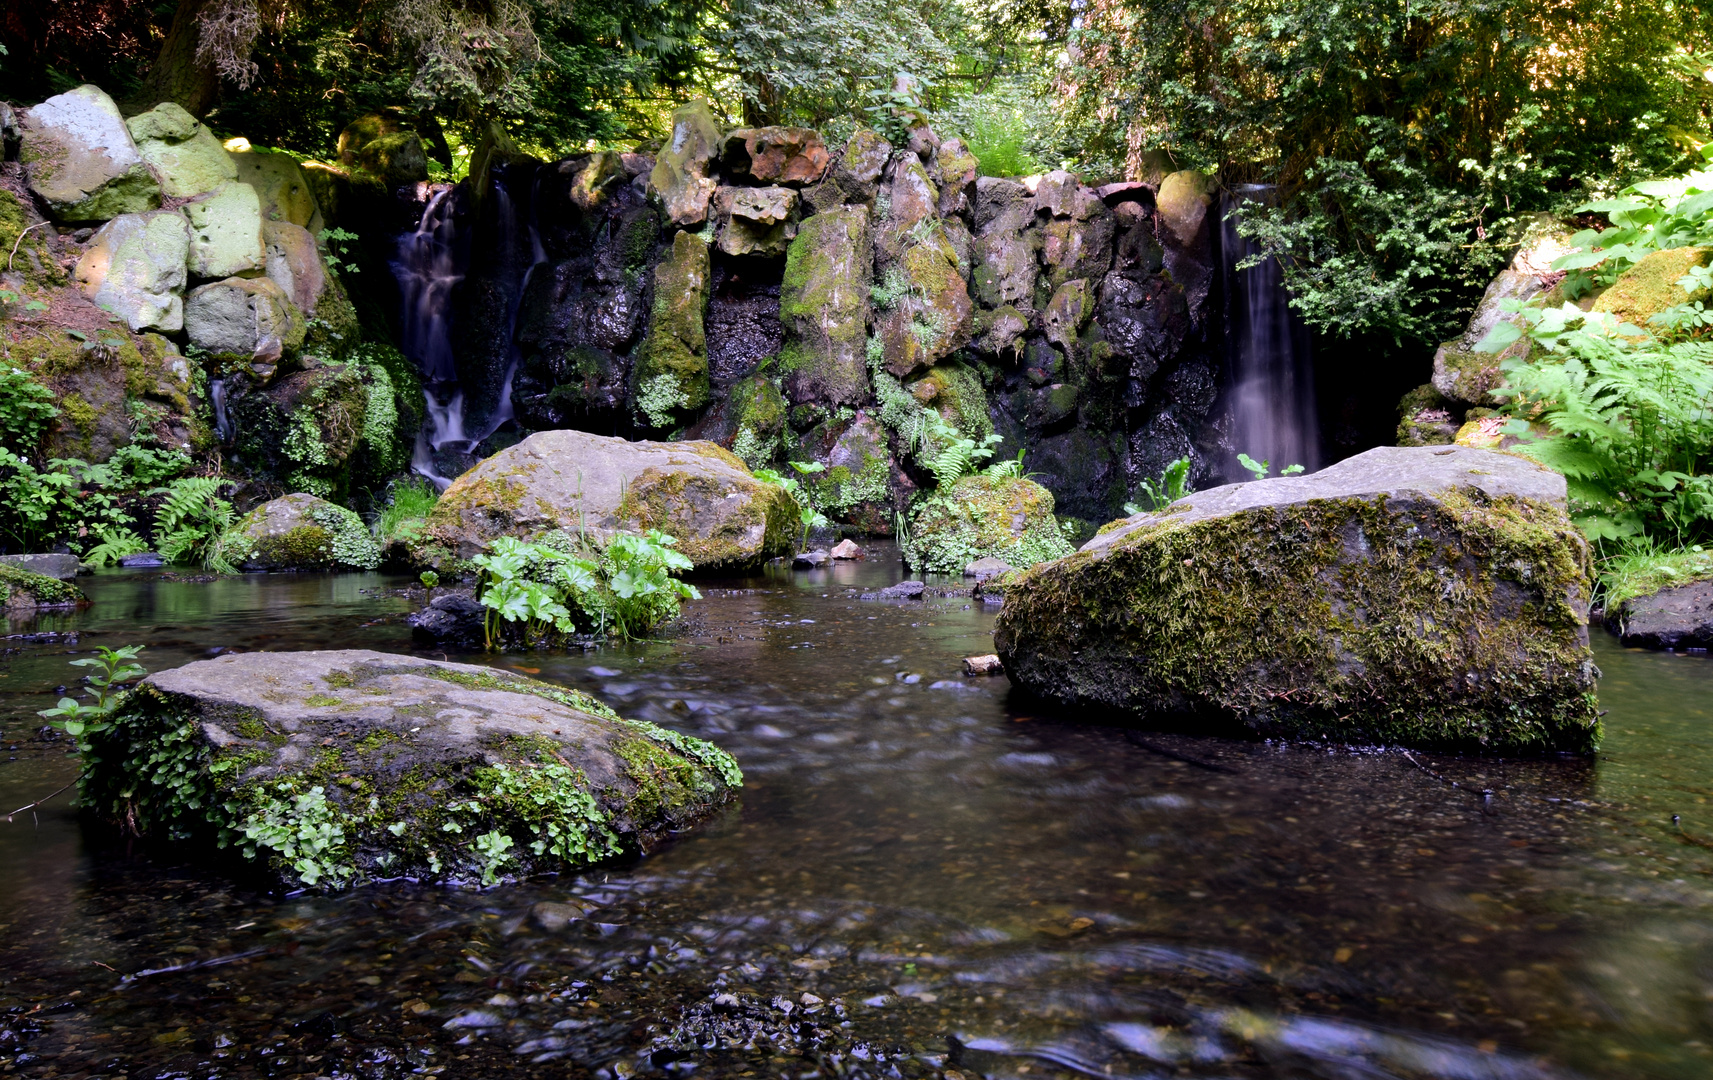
176 75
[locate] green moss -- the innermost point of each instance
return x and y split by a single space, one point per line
25 588
318 701
657 500
664 781
340 680
1650 286
671 372
981 516
1460 625
518 684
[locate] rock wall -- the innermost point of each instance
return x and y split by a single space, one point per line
794 300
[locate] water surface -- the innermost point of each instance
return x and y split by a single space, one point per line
925 876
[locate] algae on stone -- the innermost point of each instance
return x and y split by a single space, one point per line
823 303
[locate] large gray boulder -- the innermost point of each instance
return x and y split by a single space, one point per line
134 267
696 492
50 564
326 769
243 319
184 155
80 159
1423 596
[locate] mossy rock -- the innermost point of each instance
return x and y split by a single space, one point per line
1426 418
1467 377
1650 286
1002 517
328 769
671 373
1416 596
823 303
697 492
302 532
111 387
25 590
305 429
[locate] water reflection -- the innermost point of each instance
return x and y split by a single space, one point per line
924 876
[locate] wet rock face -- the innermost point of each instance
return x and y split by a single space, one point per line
397 766
776 155
823 304
1420 596
694 491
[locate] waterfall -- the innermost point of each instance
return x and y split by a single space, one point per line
427 272
223 426
1271 395
503 409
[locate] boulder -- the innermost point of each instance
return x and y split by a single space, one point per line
987 567
451 620
328 769
680 175
1421 596
54 565
776 155
954 171
1074 248
245 319
755 221
910 200
846 550
593 179
672 362
981 516
80 159
134 267
302 532
1650 286
931 315
281 187
696 492
1679 617
1185 230
294 264
823 303
226 232
1672 618
182 153
1465 376
23 590
1425 418
855 173
855 487
380 147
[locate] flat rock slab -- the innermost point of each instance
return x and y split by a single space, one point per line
1419 596
1680 617
325 769
697 492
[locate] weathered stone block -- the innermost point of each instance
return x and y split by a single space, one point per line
134 267
79 157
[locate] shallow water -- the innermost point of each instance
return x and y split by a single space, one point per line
968 883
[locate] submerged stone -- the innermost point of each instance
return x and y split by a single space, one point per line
696 492
1420 596
327 769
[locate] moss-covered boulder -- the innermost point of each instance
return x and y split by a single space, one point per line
680 178
1426 418
112 387
1679 616
281 186
182 152
79 158
1650 286
1467 377
697 492
671 369
855 487
134 267
302 532
927 312
308 429
823 303
327 769
24 590
1421 596
1002 517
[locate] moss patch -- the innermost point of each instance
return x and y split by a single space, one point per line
981 516
1650 286
27 589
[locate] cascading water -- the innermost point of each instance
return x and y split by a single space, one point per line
1271 400
427 272
223 426
429 268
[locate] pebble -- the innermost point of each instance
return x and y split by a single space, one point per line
983 665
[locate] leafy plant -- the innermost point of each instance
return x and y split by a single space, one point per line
114 668
412 501
1654 215
340 246
1260 469
546 590
1173 485
26 409
194 524
430 580
115 544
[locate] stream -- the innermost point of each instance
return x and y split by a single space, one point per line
925 876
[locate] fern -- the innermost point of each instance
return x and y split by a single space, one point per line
115 544
194 524
948 453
